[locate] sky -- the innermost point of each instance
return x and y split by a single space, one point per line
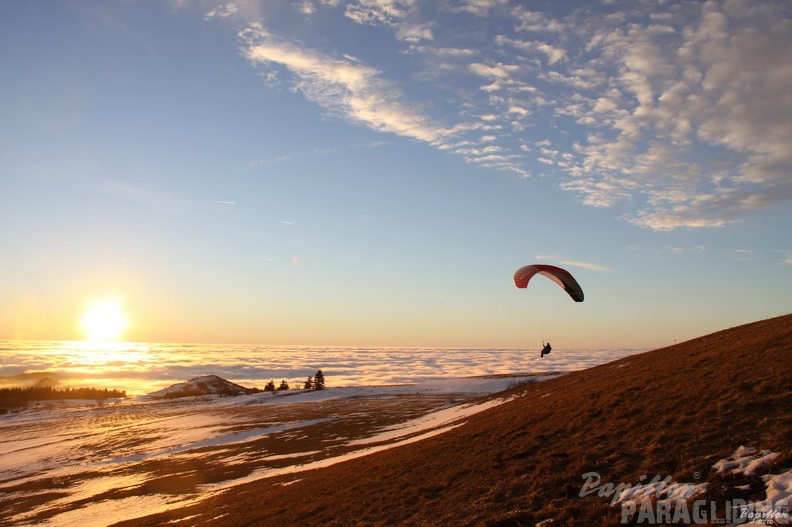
373 172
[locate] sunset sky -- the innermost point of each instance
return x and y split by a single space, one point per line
372 172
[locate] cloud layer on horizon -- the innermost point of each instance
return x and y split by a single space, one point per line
680 111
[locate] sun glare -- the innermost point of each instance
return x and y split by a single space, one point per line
104 320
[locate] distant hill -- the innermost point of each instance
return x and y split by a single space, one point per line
670 412
205 385
35 378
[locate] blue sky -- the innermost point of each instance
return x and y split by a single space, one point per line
373 172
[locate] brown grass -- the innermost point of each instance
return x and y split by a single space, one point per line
672 411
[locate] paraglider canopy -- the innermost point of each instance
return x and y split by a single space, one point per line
556 274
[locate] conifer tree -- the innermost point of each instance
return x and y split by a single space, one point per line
319 380
309 383
283 385
270 386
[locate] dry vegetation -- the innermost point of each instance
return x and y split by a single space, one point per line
673 411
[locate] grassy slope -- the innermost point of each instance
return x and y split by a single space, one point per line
672 411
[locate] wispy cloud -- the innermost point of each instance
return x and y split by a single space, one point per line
316 152
269 161
680 109
586 265
222 11
342 149
675 250
573 263
144 194
402 16
343 87
747 255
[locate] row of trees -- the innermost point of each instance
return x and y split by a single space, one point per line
17 397
317 382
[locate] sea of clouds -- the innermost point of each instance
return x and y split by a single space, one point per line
144 368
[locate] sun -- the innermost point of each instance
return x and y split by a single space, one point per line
104 320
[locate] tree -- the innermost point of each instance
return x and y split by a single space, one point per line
270 387
319 380
283 385
309 383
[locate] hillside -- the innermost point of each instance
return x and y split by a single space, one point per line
204 385
671 412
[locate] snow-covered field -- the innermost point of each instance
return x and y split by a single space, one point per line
87 464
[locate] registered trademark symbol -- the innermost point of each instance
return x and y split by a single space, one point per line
697 475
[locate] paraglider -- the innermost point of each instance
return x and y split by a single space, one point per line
556 274
560 276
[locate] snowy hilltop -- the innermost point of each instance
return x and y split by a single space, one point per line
204 385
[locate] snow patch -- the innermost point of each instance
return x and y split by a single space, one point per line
745 460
